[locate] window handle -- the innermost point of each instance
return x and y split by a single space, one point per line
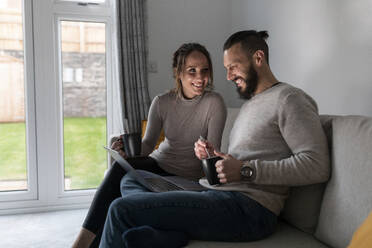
86 4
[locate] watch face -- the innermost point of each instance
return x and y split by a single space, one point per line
246 171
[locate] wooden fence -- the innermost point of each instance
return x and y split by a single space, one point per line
11 90
77 37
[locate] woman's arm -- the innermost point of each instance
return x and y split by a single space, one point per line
153 128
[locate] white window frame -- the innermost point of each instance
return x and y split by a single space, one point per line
28 65
45 161
58 18
73 3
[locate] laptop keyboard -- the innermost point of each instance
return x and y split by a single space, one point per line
161 184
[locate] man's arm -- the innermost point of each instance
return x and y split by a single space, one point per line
300 126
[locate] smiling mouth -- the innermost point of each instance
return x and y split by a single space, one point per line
199 86
239 82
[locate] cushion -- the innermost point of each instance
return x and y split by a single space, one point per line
347 199
302 207
232 113
285 237
362 238
303 204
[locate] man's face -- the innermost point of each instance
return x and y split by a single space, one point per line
240 70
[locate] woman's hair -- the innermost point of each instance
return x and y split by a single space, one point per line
179 61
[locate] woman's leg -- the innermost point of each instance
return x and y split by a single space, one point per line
106 193
147 219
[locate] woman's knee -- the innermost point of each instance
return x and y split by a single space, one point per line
115 173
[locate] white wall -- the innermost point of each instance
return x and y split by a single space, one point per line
321 46
173 22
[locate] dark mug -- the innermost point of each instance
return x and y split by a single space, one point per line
132 144
209 168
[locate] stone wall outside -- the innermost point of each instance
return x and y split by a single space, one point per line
84 93
85 98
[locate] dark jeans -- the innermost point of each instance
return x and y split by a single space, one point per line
109 190
208 215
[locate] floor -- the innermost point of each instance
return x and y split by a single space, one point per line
50 229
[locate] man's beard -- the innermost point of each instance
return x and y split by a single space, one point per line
251 84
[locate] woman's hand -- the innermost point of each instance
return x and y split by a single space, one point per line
118 146
203 149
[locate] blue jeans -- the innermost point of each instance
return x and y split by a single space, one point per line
207 215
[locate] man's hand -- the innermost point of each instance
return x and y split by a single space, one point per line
118 146
228 168
200 148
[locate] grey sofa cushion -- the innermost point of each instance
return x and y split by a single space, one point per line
232 113
285 237
347 199
303 204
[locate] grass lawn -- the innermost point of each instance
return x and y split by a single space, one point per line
85 159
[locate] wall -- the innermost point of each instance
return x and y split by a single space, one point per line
321 46
173 22
84 95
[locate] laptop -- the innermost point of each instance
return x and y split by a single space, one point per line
153 182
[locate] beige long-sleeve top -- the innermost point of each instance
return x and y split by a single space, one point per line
183 121
279 133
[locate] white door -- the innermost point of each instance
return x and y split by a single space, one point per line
58 115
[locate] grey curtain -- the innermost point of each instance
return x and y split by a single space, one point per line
132 49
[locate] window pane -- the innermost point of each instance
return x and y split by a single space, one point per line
13 166
84 103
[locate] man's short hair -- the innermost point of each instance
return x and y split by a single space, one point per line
250 40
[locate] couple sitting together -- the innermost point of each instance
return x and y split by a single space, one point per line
277 141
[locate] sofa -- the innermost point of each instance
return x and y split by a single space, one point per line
327 214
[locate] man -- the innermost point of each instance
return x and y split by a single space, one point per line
277 141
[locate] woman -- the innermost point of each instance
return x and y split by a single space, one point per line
185 113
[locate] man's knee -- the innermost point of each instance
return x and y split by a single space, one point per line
128 182
117 208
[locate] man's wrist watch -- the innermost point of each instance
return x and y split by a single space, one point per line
247 172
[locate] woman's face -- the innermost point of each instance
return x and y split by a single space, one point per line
195 75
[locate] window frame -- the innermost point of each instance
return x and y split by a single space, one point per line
30 127
44 103
58 55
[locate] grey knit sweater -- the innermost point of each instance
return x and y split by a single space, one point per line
183 121
279 133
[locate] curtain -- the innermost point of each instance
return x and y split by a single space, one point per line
132 57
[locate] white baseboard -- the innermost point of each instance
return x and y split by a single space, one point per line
29 210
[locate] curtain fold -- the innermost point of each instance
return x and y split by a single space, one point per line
132 56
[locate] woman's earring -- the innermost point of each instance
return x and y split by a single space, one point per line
209 85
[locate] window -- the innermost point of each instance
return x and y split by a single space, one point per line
56 67
18 176
13 165
84 103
